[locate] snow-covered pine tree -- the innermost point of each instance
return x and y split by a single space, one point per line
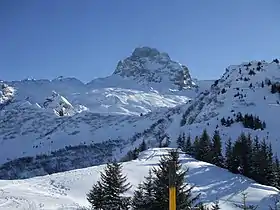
143 146
217 156
244 204
196 147
138 200
111 187
203 151
180 142
143 198
270 175
229 158
185 200
188 147
276 172
96 196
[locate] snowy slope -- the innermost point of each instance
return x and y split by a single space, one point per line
100 98
243 88
236 91
67 190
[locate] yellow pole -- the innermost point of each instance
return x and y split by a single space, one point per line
172 187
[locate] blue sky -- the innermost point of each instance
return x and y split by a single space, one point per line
86 39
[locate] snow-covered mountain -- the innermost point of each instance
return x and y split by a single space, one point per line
145 81
68 190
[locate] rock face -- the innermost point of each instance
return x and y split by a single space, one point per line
59 105
148 65
6 94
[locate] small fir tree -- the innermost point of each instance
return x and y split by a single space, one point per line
229 158
188 148
96 196
244 204
180 142
138 200
217 150
108 193
143 146
144 196
184 198
204 148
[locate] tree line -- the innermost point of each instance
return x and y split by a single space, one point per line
248 156
110 192
248 121
152 194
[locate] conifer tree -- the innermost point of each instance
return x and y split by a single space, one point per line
276 173
270 175
188 148
256 159
111 187
184 138
96 196
236 164
184 199
242 150
196 147
244 204
217 150
148 186
230 160
138 201
262 162
264 166
144 196
203 152
143 146
248 155
180 142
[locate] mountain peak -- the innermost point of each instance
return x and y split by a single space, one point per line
144 52
148 65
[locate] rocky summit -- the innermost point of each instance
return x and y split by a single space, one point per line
148 65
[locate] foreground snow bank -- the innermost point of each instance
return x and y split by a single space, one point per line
68 190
